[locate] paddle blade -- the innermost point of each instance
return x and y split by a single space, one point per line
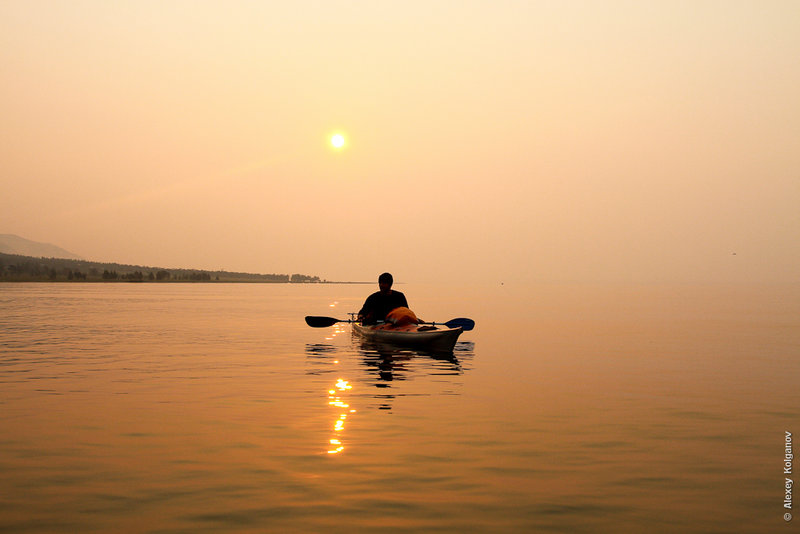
463 322
321 322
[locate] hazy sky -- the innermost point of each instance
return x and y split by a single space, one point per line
488 141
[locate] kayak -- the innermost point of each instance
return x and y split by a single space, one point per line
418 336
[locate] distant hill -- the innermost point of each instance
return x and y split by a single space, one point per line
13 244
22 260
17 268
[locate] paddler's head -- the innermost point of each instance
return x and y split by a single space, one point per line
385 282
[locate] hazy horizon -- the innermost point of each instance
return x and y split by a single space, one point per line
510 141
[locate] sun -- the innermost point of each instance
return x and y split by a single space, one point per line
337 140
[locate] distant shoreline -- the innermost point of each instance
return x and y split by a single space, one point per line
48 281
19 268
10 280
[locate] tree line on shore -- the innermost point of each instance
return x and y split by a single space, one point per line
16 268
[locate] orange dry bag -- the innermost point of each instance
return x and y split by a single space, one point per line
401 316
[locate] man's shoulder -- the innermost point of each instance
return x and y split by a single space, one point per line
393 295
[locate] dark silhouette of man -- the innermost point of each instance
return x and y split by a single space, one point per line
379 304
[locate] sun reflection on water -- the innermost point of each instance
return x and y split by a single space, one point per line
336 400
385 366
337 329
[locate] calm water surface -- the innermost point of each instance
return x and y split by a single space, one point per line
194 408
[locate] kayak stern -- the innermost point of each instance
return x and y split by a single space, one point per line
432 339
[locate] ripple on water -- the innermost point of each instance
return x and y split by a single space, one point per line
207 408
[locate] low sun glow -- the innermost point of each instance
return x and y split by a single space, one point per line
337 140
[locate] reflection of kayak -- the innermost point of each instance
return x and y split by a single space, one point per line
412 335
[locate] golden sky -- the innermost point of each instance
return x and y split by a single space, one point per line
487 141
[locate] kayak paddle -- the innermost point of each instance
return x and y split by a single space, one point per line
322 322
463 322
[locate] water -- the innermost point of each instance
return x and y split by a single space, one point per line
214 408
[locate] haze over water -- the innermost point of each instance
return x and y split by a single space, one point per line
483 141
570 408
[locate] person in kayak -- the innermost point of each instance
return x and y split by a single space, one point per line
381 304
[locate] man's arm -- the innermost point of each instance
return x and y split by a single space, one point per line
366 308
